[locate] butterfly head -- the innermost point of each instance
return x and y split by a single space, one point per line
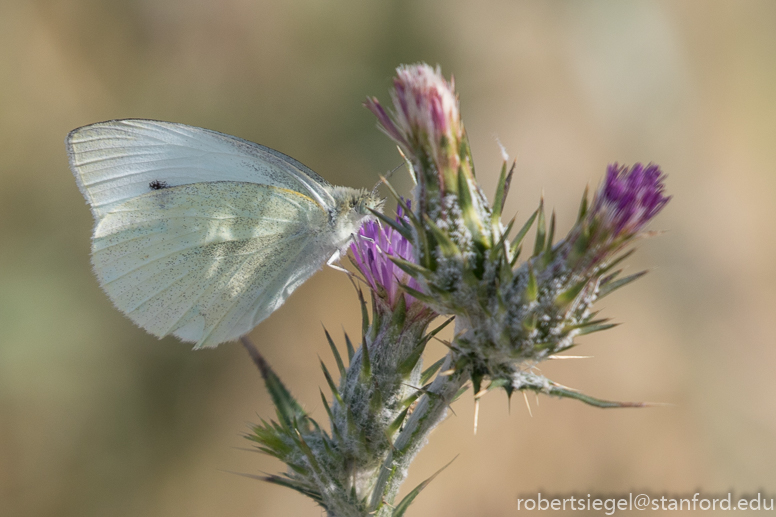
353 207
356 203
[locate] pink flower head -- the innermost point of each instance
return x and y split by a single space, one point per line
425 116
373 249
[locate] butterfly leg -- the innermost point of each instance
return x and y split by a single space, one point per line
335 258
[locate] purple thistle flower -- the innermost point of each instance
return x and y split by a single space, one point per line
373 249
628 199
425 116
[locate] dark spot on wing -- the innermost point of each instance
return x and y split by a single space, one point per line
158 185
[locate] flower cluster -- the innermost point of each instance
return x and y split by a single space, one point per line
508 314
448 253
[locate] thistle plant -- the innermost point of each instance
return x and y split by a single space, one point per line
448 254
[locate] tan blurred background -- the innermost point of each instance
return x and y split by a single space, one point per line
98 418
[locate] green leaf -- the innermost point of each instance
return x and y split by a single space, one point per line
501 249
459 393
502 189
616 261
430 371
313 461
521 234
377 321
292 484
376 400
366 365
351 350
330 382
364 312
532 289
288 408
586 323
529 323
589 329
399 315
412 269
335 352
551 235
440 327
428 300
616 284
405 503
405 367
564 299
608 278
515 256
271 440
504 235
561 391
541 231
326 405
469 212
583 205
400 201
394 426
398 227
448 247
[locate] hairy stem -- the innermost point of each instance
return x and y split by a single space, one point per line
430 411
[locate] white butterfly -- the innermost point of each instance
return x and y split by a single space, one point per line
201 234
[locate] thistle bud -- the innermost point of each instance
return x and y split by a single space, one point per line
426 123
628 200
623 205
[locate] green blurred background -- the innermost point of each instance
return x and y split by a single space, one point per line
98 418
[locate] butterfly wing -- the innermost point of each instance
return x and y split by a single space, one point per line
207 261
117 160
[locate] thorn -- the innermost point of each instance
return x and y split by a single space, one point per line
564 387
504 153
654 404
570 357
448 372
448 344
353 277
525 397
389 505
476 414
481 393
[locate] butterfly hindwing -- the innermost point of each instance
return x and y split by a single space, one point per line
207 261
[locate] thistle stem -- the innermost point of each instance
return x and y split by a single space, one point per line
430 411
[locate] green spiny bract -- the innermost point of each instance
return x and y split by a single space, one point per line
370 403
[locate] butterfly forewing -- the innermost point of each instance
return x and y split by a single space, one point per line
207 261
117 160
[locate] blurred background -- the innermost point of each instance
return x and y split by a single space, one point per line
98 418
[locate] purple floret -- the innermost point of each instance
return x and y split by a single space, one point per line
373 251
629 199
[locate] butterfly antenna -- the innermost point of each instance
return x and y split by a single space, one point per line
390 173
